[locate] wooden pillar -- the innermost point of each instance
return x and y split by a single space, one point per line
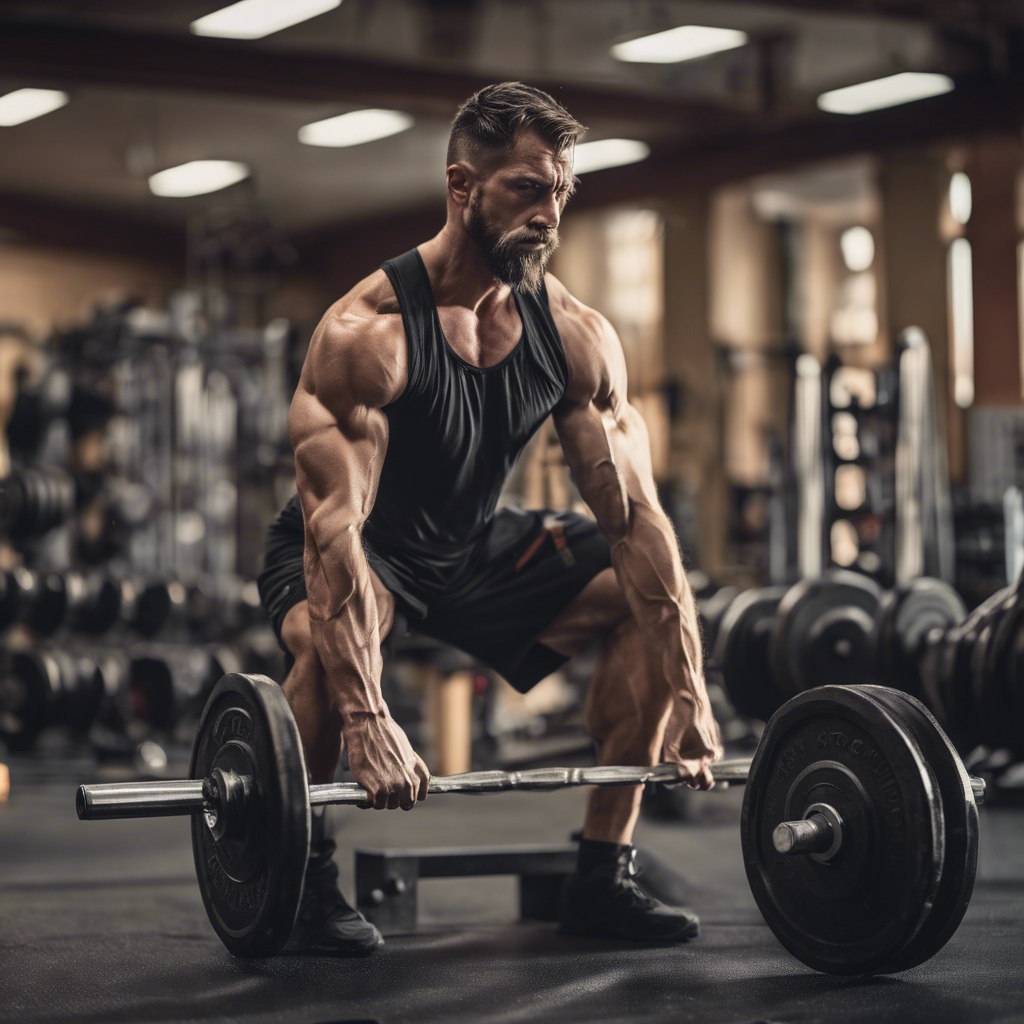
994 167
450 714
913 189
696 453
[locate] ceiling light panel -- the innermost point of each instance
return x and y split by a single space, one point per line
355 128
905 87
25 104
596 156
197 178
688 42
254 19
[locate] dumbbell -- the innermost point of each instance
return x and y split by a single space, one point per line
859 826
169 682
45 600
146 606
43 688
35 500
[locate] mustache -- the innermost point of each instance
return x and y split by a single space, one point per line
525 235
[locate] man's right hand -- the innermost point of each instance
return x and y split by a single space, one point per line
383 762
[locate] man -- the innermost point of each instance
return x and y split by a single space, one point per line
420 388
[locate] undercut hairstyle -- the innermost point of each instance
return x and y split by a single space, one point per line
490 122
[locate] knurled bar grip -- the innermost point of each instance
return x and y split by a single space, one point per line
162 799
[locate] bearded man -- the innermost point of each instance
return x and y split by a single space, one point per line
420 388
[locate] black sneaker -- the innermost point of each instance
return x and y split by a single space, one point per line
326 923
605 900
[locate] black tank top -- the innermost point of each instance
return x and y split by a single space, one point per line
457 429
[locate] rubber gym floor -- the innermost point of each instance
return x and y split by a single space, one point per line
102 921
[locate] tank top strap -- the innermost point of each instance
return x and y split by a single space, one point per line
543 334
416 300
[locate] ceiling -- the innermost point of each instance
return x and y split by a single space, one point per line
146 94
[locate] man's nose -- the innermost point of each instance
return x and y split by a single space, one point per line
547 216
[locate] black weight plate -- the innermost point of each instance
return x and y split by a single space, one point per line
28 685
741 652
955 706
710 610
251 879
991 710
960 814
1000 680
823 632
1014 683
905 617
858 912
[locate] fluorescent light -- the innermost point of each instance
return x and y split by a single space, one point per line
25 104
596 156
197 177
355 128
905 87
688 42
960 201
254 19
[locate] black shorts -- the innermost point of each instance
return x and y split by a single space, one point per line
511 586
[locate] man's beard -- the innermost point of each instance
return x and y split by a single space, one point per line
505 255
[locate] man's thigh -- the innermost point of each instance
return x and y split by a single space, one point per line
594 613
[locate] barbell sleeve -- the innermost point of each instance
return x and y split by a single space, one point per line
140 799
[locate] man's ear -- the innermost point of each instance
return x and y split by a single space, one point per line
460 181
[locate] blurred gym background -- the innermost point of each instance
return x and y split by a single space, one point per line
804 218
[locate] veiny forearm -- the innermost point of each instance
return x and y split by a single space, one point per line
344 623
649 569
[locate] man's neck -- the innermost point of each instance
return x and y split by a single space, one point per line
459 276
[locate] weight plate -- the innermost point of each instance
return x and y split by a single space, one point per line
992 713
710 610
741 652
955 707
823 632
1000 679
251 860
905 617
960 814
859 911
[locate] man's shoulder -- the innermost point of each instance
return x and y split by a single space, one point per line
589 340
361 340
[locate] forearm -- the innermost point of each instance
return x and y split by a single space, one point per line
647 563
345 626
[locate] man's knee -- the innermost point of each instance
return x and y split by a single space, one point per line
297 635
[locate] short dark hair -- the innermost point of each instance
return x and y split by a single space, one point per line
494 118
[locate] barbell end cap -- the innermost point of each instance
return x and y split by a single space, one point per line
813 834
784 838
82 804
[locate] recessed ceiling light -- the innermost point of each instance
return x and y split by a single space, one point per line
25 104
596 156
905 87
254 19
197 177
688 42
960 201
354 128
857 245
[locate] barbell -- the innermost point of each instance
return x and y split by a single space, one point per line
859 825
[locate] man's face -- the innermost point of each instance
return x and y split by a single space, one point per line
514 211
